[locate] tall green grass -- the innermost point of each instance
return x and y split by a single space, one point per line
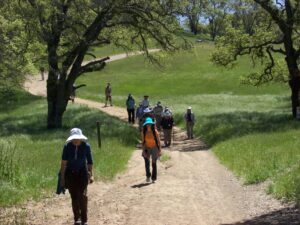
250 129
31 154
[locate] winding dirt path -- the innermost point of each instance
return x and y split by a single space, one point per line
192 188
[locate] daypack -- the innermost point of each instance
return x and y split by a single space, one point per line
155 143
130 103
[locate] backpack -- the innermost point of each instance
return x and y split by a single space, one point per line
130 103
154 135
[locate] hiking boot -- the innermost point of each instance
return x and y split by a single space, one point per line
78 222
153 180
148 179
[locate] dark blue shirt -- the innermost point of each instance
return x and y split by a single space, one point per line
78 157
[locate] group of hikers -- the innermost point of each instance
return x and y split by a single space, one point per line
77 161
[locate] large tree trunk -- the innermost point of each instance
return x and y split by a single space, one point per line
57 98
294 83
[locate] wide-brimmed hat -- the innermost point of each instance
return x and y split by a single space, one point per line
189 108
147 110
76 133
148 121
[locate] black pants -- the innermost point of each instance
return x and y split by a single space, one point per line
77 185
130 115
154 169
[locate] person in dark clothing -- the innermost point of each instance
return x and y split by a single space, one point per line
130 104
76 173
167 124
108 93
190 122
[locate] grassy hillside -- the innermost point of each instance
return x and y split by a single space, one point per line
36 152
249 128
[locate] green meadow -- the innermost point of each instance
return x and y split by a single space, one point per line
249 128
35 152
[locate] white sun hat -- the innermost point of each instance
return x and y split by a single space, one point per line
76 133
147 110
190 107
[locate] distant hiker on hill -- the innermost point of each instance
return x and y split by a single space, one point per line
108 92
151 148
145 102
190 122
76 173
130 104
167 123
139 116
158 111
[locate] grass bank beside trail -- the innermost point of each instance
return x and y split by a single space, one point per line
250 129
36 151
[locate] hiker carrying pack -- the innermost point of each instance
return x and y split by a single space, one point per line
190 122
167 124
76 173
130 104
151 148
158 112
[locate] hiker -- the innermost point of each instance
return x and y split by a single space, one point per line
76 173
158 111
139 116
145 102
148 112
42 69
108 92
130 104
151 148
167 110
167 124
190 122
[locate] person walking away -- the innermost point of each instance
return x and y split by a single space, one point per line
108 92
139 116
190 122
145 102
167 124
76 173
130 104
151 148
158 111
73 93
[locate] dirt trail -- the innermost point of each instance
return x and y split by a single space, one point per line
192 188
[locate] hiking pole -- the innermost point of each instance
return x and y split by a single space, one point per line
98 134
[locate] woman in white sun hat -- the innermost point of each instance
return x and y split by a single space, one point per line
76 173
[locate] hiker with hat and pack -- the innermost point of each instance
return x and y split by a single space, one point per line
158 111
76 173
151 148
130 104
190 122
167 124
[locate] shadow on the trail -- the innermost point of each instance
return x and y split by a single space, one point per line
141 185
286 216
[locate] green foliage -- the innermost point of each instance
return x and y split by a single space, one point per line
30 154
